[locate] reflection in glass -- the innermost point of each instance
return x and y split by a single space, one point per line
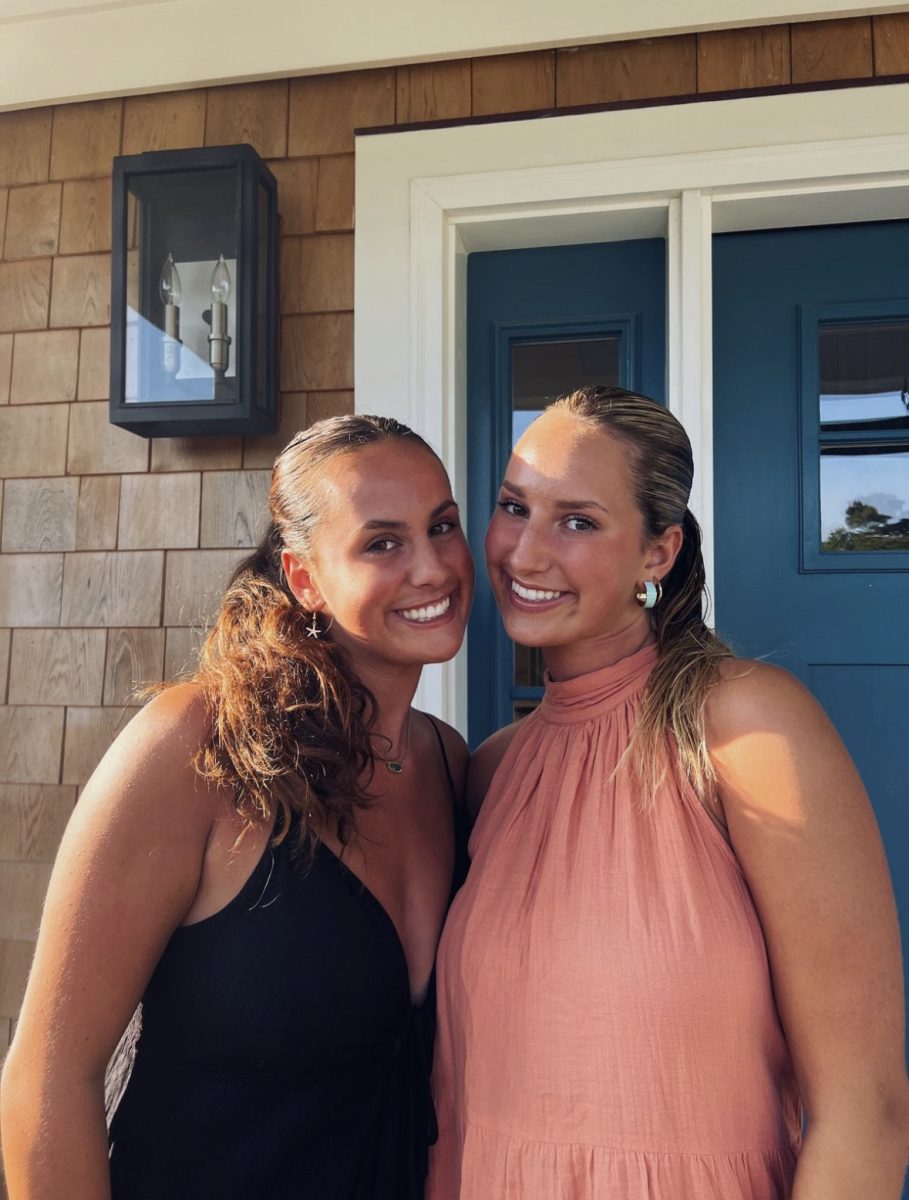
181 304
864 376
543 371
864 498
185 354
540 373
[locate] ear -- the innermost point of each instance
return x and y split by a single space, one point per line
662 553
301 582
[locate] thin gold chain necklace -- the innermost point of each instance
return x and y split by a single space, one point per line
395 762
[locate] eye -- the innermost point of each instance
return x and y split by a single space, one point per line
446 525
513 508
578 524
381 546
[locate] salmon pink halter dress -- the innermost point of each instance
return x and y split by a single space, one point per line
607 1027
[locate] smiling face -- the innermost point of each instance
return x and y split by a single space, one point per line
566 548
388 563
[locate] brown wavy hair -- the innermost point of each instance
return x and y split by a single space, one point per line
290 719
661 470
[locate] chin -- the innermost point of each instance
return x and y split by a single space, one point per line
528 631
442 650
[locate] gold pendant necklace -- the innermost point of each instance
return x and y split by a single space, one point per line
396 764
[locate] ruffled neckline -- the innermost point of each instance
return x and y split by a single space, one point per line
597 692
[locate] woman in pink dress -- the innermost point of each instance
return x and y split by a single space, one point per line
678 936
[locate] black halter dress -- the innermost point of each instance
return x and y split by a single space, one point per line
280 1056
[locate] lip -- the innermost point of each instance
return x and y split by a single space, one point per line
531 606
433 623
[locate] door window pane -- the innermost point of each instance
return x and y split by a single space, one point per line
864 498
543 371
864 376
540 373
863 410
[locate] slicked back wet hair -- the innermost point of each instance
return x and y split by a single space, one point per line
661 470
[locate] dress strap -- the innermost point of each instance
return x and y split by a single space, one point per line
461 823
454 795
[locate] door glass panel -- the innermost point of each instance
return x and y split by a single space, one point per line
864 376
863 435
864 498
543 371
540 373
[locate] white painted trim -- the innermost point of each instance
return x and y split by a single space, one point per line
427 198
53 51
690 367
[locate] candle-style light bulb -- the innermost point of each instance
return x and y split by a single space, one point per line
170 290
219 341
220 281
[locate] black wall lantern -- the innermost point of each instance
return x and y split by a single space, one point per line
194 302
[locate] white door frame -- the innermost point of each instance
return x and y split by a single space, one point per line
427 198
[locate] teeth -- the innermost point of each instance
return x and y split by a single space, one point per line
533 593
429 613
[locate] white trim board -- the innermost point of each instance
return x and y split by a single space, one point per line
426 198
53 51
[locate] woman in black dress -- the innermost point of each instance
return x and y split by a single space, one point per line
264 858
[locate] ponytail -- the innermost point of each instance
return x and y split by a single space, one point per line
686 670
290 721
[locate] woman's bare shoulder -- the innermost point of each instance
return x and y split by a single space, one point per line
456 752
181 711
774 749
753 695
151 762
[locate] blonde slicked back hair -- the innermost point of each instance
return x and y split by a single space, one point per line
661 469
290 719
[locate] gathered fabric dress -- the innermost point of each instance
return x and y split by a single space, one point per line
607 1026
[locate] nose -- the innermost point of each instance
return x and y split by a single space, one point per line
427 569
529 554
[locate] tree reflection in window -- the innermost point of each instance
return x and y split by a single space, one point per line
868 529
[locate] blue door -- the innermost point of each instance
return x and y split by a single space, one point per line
540 323
811 436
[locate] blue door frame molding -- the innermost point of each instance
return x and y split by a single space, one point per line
490 438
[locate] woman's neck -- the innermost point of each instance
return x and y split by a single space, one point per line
583 657
393 692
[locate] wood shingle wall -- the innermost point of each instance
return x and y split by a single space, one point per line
114 549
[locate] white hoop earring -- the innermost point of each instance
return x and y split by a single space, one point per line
651 595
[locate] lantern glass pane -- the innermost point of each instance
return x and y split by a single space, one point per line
182 288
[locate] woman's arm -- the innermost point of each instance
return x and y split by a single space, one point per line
483 765
801 825
126 872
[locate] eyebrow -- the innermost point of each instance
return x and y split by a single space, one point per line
380 523
561 504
